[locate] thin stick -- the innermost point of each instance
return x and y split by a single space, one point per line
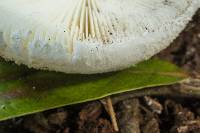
109 108
112 114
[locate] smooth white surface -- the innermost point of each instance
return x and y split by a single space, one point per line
89 36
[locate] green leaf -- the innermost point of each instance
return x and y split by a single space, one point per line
24 91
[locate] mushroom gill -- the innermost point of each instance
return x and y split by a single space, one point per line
87 21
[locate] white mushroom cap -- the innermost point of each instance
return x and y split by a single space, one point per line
89 36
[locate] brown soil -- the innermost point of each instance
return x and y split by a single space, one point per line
145 114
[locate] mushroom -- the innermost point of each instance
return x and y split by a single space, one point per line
89 36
